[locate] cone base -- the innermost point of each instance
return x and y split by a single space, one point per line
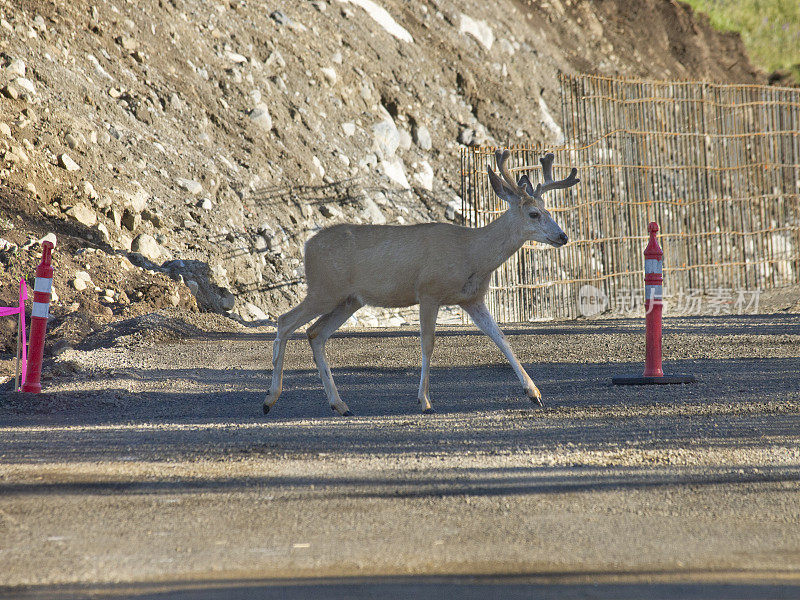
31 388
665 380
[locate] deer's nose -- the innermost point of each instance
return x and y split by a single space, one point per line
563 238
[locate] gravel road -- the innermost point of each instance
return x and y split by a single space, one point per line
148 470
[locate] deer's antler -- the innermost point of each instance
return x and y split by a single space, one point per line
549 183
500 157
519 188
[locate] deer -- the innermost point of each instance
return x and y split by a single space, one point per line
431 264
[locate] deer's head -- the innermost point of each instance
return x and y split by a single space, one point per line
526 204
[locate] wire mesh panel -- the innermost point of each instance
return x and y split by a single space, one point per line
717 166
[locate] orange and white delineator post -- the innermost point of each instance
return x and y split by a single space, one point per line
42 293
654 306
653 303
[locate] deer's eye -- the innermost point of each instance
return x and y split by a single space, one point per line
534 215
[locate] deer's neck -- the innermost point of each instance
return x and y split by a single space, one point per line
495 243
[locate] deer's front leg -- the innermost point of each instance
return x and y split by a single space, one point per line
483 319
428 310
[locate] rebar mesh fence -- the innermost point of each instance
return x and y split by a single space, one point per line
717 166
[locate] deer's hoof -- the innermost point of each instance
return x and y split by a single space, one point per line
534 394
428 411
347 413
266 408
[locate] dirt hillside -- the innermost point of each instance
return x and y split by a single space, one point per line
184 150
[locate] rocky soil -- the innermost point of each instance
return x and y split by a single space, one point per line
183 151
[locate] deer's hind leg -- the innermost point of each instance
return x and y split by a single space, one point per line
318 335
287 323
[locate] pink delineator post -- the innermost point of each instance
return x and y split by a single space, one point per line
653 303
42 292
654 306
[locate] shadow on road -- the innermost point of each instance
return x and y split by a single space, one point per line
464 481
738 403
654 585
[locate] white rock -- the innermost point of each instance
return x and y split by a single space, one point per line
26 85
89 191
473 136
98 67
422 137
83 214
318 166
16 67
480 30
50 237
349 129
17 154
147 246
235 57
65 161
75 140
369 161
330 75
453 209
5 129
250 312
261 117
550 123
386 138
190 185
260 243
424 175
81 281
104 232
136 200
383 18
336 57
395 170
405 140
372 213
125 241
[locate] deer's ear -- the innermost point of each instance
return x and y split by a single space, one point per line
501 189
525 184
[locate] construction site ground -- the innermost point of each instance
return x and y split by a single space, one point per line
148 470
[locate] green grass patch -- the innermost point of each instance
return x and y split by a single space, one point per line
770 29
